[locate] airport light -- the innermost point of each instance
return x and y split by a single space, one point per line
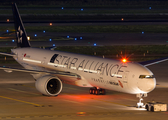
150 8
35 35
50 24
122 19
68 36
81 38
62 8
7 20
13 40
95 44
50 39
81 9
142 32
75 38
81 113
44 31
28 38
7 31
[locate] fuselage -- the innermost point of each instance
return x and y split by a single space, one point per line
104 73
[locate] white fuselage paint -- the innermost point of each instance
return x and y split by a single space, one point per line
94 71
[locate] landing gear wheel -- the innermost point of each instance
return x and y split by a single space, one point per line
152 109
91 91
97 92
140 104
103 91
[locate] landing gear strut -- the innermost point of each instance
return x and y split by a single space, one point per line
97 91
140 104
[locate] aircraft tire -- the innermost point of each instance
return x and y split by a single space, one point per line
103 91
97 92
91 91
152 109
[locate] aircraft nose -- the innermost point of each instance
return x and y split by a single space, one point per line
147 85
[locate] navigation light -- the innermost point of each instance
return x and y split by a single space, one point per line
124 60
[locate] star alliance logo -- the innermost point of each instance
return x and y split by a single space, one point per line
19 35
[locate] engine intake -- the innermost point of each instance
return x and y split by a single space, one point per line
49 85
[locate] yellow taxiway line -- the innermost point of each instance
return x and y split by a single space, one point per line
38 105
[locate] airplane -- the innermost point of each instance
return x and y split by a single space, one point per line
51 69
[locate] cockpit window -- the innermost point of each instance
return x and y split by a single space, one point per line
146 76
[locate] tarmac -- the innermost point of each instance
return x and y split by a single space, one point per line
19 99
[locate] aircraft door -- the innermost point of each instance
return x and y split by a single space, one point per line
125 78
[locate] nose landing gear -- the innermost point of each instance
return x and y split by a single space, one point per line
97 91
140 104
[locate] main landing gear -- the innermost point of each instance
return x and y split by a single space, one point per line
140 104
97 91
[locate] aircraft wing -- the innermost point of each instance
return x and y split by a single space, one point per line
7 54
8 69
152 62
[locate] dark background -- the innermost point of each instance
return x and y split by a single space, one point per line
96 3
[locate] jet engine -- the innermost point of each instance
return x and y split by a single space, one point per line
49 85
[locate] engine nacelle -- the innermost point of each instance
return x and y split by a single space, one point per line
49 85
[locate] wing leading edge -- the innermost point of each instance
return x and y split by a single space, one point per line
152 62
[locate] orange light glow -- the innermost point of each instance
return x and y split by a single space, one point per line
124 60
122 19
50 24
7 20
28 38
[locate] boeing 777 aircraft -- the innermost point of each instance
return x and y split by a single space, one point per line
51 68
